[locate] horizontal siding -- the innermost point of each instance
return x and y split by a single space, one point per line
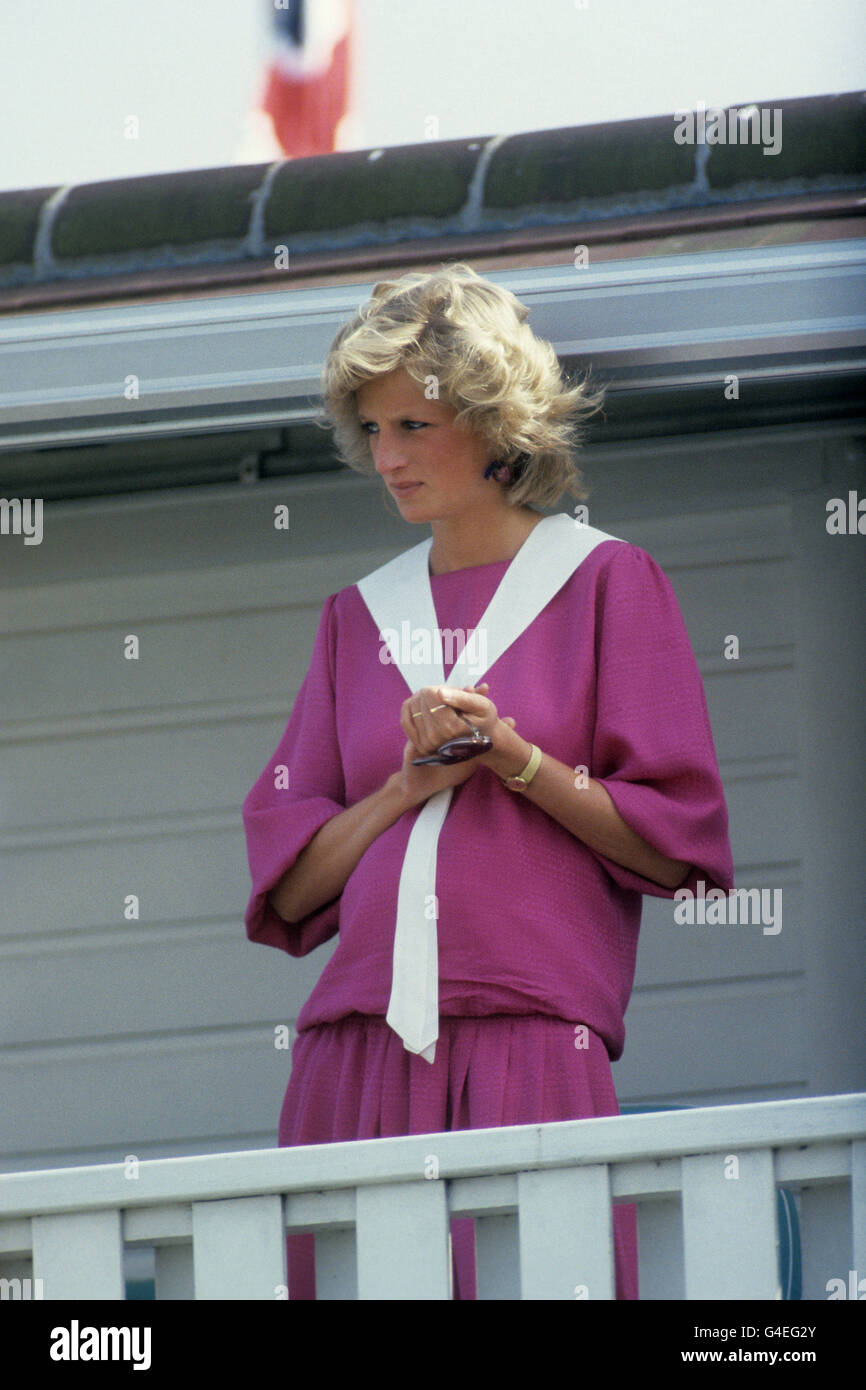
219 1090
185 663
732 1037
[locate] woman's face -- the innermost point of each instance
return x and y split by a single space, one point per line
433 468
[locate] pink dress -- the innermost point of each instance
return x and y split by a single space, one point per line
537 933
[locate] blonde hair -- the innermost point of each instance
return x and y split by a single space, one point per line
472 337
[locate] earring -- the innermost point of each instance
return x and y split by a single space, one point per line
498 470
506 472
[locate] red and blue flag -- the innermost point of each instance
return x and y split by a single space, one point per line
307 82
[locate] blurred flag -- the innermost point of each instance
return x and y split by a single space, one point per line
307 81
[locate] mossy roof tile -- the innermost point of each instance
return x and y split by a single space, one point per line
180 209
591 162
342 190
19 220
824 145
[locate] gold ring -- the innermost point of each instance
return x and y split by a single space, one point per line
418 714
435 707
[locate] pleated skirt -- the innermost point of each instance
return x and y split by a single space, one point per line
354 1079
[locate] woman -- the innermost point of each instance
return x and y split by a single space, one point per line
488 909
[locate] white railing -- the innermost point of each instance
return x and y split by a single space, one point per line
704 1180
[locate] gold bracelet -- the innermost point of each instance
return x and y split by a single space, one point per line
523 779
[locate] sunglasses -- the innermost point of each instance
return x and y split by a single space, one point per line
460 749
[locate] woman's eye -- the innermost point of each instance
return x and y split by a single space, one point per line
370 426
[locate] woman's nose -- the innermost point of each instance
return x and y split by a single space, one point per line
387 454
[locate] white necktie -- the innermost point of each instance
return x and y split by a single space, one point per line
399 590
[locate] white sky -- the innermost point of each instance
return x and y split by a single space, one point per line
190 71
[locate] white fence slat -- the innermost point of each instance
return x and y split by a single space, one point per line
825 1237
640 1178
17 1282
239 1248
16 1237
473 1196
402 1235
79 1255
808 1162
497 1257
729 1225
858 1207
307 1211
175 1277
566 1236
660 1249
336 1265
158 1225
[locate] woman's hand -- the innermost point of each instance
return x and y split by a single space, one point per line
419 783
435 724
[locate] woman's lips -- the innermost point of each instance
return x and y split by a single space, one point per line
404 489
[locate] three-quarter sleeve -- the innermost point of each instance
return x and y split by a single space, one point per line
653 747
301 787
